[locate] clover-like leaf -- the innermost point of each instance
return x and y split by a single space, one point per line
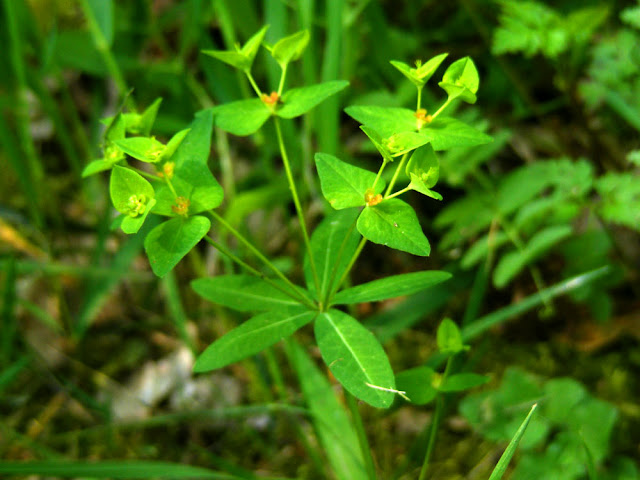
461 80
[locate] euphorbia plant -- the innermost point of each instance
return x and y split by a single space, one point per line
366 209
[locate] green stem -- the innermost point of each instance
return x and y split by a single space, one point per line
355 256
150 176
282 78
362 436
103 48
253 83
419 98
253 271
384 164
296 201
441 109
258 254
398 193
437 415
395 175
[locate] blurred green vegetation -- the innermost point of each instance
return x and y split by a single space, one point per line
96 352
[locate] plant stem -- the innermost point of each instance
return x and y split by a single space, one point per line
105 51
398 193
355 256
384 164
150 176
282 79
253 83
258 254
437 414
395 175
298 296
444 105
362 436
296 201
419 98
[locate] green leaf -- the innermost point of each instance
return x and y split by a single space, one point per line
192 178
167 243
620 193
378 142
462 381
505 459
125 469
423 72
423 169
298 101
512 263
337 436
242 292
97 166
333 243
236 59
344 185
174 143
243 117
447 133
241 59
394 223
131 224
130 193
252 337
145 149
417 384
403 142
141 124
481 247
290 48
391 287
449 337
384 120
355 357
461 80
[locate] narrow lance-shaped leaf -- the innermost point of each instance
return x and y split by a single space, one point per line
355 357
298 101
394 223
391 287
253 336
243 292
333 243
167 243
344 185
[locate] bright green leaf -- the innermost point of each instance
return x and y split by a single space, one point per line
355 357
461 80
344 185
174 143
290 48
243 117
143 123
384 120
145 149
447 133
251 47
449 337
242 292
236 59
167 243
130 193
297 101
417 384
131 224
333 243
391 287
97 166
423 71
252 337
394 223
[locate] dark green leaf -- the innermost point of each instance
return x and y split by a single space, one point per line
449 337
297 101
394 223
167 243
462 381
391 287
355 358
253 336
242 292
